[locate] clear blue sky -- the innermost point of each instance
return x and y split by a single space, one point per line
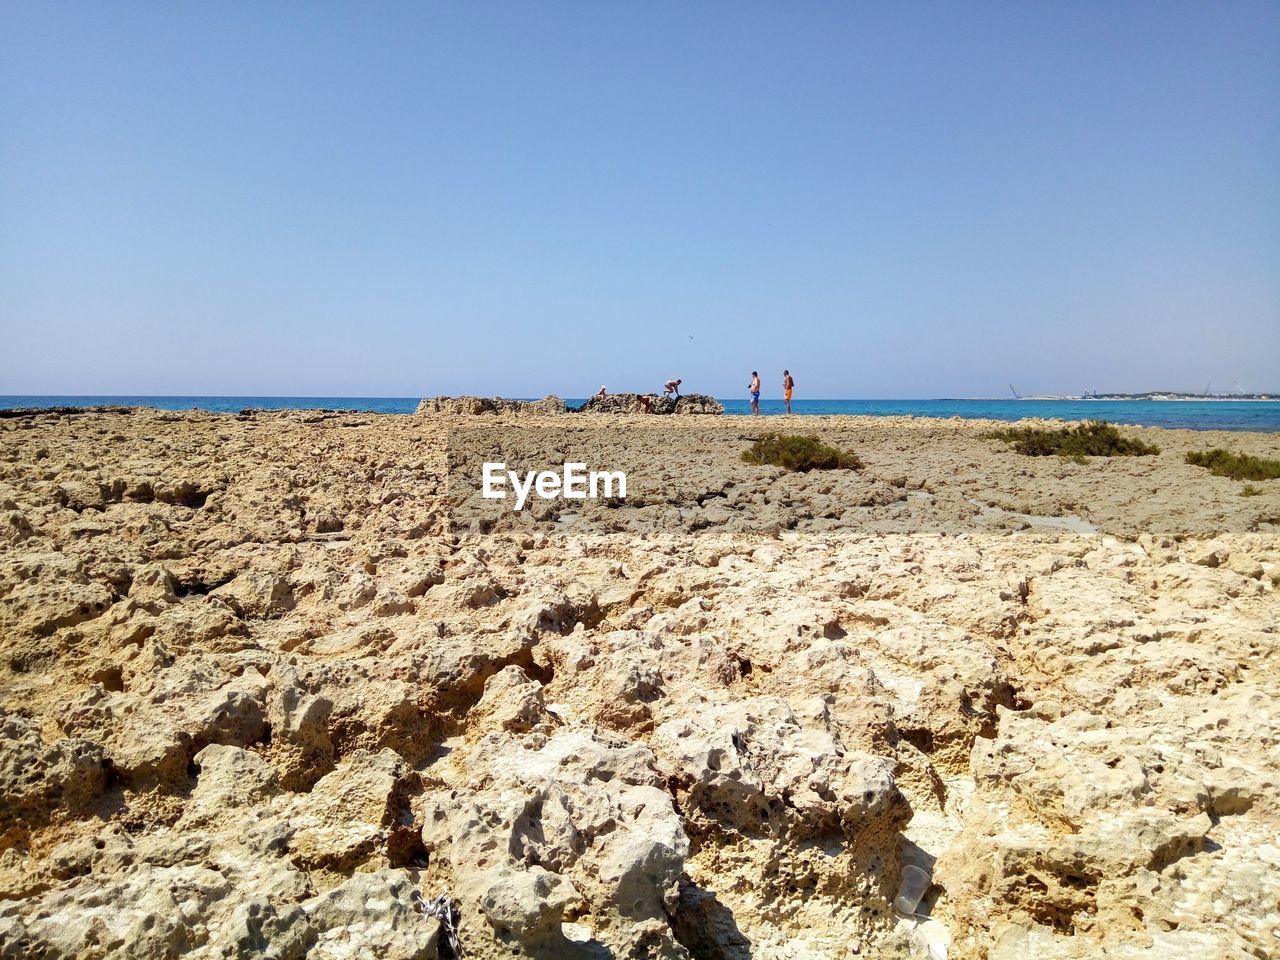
892 199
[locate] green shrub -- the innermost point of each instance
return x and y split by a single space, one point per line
799 453
1237 466
1251 491
1097 438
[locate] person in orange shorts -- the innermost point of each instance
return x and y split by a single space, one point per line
788 385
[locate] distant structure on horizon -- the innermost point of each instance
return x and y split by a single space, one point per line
1157 394
1167 395
1236 394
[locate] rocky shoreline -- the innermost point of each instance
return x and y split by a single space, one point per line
268 687
693 404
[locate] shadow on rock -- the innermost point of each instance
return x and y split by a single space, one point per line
706 927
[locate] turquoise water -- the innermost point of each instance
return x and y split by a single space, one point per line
1191 414
1188 414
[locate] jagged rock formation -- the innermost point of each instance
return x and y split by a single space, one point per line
619 403
257 698
473 406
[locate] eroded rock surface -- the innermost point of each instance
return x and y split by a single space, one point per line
473 406
692 404
265 691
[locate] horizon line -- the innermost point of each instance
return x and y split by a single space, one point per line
1115 395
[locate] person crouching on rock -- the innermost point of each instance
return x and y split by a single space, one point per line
670 387
644 403
603 392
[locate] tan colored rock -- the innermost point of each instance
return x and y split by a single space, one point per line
150 756
511 702
572 821
39 779
257 594
350 814
265 682
229 779
372 915
154 587
473 406
752 767
14 526
301 749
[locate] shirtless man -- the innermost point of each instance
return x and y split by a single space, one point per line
754 387
670 387
787 386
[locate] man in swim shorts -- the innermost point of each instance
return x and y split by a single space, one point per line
787 386
754 387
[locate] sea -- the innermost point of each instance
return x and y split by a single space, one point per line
1258 415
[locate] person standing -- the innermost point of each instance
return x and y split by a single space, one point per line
788 385
754 387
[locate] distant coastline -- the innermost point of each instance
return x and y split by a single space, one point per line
1171 395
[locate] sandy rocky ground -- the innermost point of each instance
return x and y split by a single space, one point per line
273 683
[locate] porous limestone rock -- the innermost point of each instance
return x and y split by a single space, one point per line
39 778
373 915
228 779
751 767
257 593
571 822
473 406
301 749
263 691
359 810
